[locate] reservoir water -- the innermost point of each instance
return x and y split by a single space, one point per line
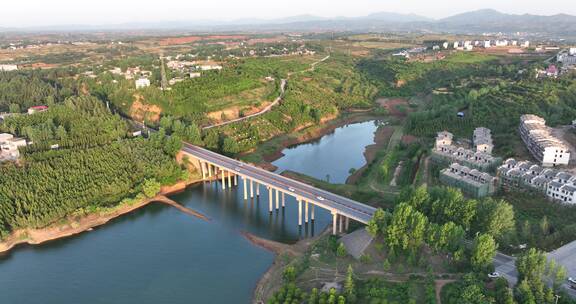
331 157
160 255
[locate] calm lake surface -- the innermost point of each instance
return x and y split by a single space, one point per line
160 255
331 157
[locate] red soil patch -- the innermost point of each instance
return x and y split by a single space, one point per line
394 106
190 39
408 139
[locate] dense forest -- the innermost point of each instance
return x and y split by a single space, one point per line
97 166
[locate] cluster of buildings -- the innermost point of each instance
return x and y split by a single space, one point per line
549 150
526 176
131 73
467 167
9 147
469 45
445 151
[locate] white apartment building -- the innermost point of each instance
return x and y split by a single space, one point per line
142 83
525 175
482 140
9 146
487 44
545 147
8 67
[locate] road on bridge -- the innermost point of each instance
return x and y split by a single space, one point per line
347 207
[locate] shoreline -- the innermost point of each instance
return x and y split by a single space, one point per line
78 225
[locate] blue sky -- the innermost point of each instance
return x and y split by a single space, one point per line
21 13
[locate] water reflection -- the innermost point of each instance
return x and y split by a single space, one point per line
331 157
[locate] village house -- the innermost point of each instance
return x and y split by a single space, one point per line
545 147
482 140
37 109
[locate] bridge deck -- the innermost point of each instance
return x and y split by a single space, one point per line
347 207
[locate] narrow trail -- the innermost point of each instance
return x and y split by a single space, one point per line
273 104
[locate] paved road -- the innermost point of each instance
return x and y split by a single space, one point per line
566 256
347 207
506 266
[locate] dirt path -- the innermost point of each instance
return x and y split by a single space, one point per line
265 110
273 104
439 285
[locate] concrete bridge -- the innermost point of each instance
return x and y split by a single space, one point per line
214 165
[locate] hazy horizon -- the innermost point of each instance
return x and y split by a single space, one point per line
37 13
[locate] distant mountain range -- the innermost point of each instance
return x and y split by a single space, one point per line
474 22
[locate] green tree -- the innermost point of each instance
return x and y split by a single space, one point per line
407 228
495 217
483 252
341 250
150 188
15 108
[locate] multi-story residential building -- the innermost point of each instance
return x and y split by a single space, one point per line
545 147
482 140
527 176
471 181
445 152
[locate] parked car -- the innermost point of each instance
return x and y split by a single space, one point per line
291 189
494 275
320 198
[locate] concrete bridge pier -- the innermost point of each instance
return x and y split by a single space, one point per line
347 224
341 226
270 192
251 189
312 213
203 169
235 179
257 189
229 179
299 212
245 181
306 213
223 176
277 199
283 200
334 222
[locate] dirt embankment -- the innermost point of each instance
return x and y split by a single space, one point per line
272 279
140 111
75 225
